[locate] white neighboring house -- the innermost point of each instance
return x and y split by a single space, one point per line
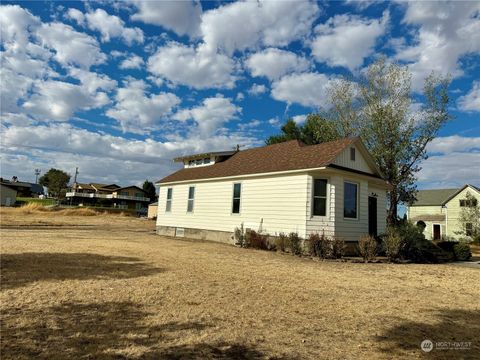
333 187
438 211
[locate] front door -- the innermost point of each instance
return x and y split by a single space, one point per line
436 232
372 215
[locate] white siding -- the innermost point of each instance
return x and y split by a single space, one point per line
343 159
278 200
320 224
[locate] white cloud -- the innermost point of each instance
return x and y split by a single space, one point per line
240 97
57 100
249 24
132 62
182 17
454 143
447 31
274 63
16 23
299 119
211 114
257 89
346 40
470 101
76 15
194 67
71 47
111 26
93 81
307 89
138 112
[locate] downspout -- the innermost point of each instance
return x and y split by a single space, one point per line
446 219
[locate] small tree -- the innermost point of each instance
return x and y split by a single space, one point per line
149 188
55 180
469 217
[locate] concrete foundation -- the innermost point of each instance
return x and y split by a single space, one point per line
200 234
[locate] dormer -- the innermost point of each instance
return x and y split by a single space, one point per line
204 159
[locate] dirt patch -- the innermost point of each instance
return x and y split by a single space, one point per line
114 289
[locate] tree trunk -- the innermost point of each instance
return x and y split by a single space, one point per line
392 218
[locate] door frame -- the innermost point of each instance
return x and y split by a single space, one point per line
439 231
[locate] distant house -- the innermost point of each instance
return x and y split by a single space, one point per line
8 195
438 211
24 189
108 195
333 188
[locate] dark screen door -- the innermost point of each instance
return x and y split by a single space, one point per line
372 215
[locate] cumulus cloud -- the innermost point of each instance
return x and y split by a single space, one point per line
299 119
182 17
76 15
454 143
346 40
445 32
307 89
132 62
470 101
267 23
192 66
211 114
137 111
257 89
111 26
274 63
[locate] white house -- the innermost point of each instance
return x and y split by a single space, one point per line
333 187
438 211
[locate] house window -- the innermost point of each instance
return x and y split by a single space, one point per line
237 190
199 162
124 193
468 202
206 161
169 200
352 154
350 200
468 229
191 162
319 197
139 194
191 198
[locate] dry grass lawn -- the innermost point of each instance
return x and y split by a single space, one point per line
107 287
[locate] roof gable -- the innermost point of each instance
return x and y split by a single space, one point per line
459 191
286 156
439 197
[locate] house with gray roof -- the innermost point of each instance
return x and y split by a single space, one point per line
438 211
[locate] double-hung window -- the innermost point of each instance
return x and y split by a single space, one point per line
168 208
237 191
319 197
350 200
191 198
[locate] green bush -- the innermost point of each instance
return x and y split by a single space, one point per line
281 242
462 251
392 244
367 247
295 243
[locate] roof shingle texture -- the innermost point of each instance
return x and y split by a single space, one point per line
433 197
290 155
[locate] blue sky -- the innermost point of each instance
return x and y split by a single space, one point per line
120 88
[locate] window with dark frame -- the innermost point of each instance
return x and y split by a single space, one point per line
191 198
206 161
237 192
168 207
319 197
468 229
468 202
352 154
350 200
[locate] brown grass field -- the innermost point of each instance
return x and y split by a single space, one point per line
107 287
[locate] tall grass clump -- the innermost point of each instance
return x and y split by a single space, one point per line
367 247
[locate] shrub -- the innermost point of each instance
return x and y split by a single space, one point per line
318 245
367 246
462 251
281 242
338 247
295 243
392 244
239 235
257 240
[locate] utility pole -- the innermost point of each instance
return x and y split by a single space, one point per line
76 173
37 172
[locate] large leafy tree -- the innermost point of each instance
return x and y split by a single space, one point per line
149 188
395 124
55 180
315 130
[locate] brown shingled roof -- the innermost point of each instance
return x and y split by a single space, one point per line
290 155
